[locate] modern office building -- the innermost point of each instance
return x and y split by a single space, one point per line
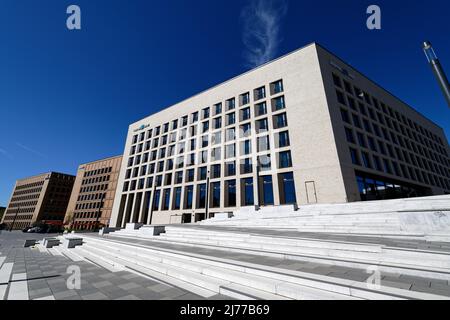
93 194
39 198
304 128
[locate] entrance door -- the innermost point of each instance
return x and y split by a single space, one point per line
311 194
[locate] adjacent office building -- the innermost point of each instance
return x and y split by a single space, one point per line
93 194
305 128
41 198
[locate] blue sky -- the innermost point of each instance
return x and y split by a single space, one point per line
67 97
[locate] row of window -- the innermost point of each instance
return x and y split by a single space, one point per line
391 167
396 153
230 104
244 130
175 199
96 180
97 171
284 160
363 96
94 188
383 132
30 185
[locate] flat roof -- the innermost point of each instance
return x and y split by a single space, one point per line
281 57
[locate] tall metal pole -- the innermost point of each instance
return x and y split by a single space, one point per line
207 196
99 212
437 70
14 220
258 205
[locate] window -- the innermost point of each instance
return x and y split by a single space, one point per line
179 177
215 171
215 192
283 139
230 104
166 128
174 124
230 134
267 190
205 141
280 121
246 166
377 162
349 135
184 121
230 193
285 160
231 119
354 156
337 81
345 117
287 188
366 160
264 162
246 130
245 114
218 123
216 154
156 200
190 175
276 87
340 97
244 99
205 126
356 121
248 196
230 168
166 199
260 109
189 193
361 139
263 143
230 151
216 138
201 196
203 156
202 173
205 113
218 108
246 147
278 104
177 199
262 125
259 93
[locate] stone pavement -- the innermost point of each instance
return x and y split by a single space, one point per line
46 276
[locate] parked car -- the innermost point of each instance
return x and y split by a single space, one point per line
26 229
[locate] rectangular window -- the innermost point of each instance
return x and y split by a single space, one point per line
201 191
230 104
280 121
177 199
349 135
264 162
230 192
259 93
215 194
260 109
244 99
205 113
245 114
262 126
231 119
246 166
278 104
277 87
166 199
354 156
189 195
190 175
230 151
230 168
156 200
215 171
263 143
283 139
285 160
267 190
287 188
248 192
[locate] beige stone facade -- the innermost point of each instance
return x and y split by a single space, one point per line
278 135
93 194
39 198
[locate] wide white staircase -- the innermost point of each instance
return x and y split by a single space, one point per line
399 238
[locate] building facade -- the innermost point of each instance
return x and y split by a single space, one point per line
39 198
93 194
305 128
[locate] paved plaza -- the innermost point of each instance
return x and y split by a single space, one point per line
45 276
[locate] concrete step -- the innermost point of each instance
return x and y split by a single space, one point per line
330 284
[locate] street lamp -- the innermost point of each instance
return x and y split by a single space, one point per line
437 70
207 195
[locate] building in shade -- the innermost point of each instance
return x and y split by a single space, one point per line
2 211
304 128
93 193
41 198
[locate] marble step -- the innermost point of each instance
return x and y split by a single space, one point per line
342 286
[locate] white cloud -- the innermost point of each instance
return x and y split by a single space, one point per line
261 30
